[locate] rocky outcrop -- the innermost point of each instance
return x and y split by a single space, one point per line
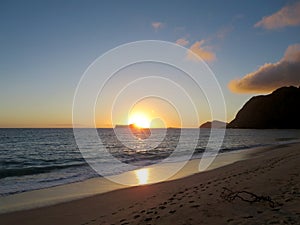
214 124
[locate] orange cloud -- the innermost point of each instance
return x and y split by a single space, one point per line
201 51
157 25
287 16
182 42
271 76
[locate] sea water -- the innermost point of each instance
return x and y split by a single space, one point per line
32 159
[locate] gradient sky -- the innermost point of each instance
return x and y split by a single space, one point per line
45 47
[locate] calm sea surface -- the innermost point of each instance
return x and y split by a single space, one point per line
39 158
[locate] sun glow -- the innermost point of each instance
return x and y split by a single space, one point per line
140 120
142 175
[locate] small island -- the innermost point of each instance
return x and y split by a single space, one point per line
215 124
139 132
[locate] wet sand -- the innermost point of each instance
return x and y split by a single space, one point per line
264 189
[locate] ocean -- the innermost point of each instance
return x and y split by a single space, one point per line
32 159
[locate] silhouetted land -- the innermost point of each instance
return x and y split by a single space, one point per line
278 110
214 124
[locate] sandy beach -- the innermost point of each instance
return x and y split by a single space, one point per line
263 189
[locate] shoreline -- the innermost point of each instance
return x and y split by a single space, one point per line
99 185
272 171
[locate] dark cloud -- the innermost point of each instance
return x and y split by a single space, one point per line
271 76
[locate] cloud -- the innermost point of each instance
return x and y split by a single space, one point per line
287 16
202 51
271 76
182 42
157 25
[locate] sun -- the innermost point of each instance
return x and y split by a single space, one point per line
139 120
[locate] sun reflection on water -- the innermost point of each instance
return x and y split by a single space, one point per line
142 175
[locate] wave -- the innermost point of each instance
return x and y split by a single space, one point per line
242 147
34 170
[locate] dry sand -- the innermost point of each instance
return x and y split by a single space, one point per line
265 190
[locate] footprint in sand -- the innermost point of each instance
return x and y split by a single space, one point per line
172 211
229 220
148 219
136 216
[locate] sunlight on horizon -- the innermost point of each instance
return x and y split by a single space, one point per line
140 120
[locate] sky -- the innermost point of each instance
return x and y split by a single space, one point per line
252 47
